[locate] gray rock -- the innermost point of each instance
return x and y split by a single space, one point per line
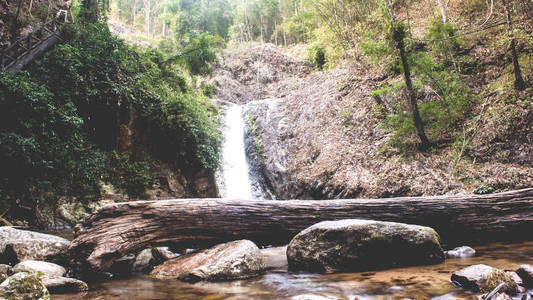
266 149
46 268
361 245
472 278
162 254
144 261
526 273
5 272
483 278
20 245
230 261
23 286
63 285
461 252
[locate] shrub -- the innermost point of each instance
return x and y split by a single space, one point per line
316 54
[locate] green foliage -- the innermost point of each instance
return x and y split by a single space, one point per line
62 118
129 175
199 52
444 43
316 54
446 102
484 189
42 147
207 89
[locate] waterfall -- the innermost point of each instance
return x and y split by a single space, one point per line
234 180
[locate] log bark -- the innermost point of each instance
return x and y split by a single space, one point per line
122 228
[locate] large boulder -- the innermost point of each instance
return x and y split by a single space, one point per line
23 286
483 278
526 273
46 268
230 261
20 245
361 245
63 285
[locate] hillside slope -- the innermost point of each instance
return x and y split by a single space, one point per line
318 135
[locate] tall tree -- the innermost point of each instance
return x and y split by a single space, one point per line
398 32
519 82
147 10
442 8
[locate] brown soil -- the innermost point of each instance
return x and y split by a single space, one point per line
335 140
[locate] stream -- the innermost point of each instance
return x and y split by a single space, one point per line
425 282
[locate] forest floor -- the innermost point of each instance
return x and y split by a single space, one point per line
336 146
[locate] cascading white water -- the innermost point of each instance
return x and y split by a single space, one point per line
235 171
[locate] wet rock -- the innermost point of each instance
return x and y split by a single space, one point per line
230 261
162 254
360 245
5 272
483 278
46 268
147 259
20 245
497 277
266 149
63 285
23 286
498 296
144 262
461 252
472 278
526 273
123 266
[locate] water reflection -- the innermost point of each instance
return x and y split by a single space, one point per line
426 282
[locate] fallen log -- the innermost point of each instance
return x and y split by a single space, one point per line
122 228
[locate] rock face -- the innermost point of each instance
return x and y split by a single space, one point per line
461 252
230 261
32 266
526 273
361 245
265 147
23 286
20 245
63 285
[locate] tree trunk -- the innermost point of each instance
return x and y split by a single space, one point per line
519 82
134 12
147 16
442 8
400 44
247 21
122 228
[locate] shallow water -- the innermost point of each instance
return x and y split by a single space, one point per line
424 282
